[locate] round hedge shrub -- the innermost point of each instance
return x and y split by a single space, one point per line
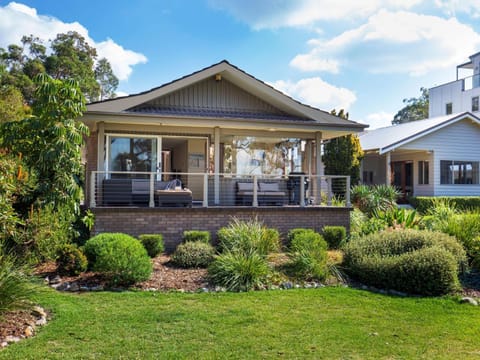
153 243
196 235
294 232
120 257
413 261
308 256
71 260
237 272
193 254
334 235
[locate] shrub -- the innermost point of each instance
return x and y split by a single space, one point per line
71 260
16 287
413 261
247 237
334 235
466 228
308 256
423 204
196 235
237 272
371 198
153 243
294 232
120 257
193 254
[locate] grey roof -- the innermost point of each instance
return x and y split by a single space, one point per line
391 137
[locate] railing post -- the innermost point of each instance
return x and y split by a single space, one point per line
255 192
347 193
329 190
152 190
205 190
92 189
302 190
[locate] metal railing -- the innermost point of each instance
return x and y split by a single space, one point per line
153 189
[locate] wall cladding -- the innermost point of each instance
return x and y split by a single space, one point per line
171 222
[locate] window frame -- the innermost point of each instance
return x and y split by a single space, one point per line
424 172
448 108
459 172
475 103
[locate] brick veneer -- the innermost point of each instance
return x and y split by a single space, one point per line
171 222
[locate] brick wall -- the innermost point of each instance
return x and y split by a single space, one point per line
171 222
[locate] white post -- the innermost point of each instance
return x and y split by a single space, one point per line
92 189
152 190
205 190
319 167
302 190
388 175
347 193
216 180
329 190
255 192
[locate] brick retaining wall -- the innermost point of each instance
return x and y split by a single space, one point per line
171 222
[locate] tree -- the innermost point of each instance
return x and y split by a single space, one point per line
11 104
343 155
414 109
106 79
51 140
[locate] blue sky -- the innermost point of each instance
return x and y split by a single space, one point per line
361 55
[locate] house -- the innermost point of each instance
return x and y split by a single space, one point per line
460 95
434 157
195 152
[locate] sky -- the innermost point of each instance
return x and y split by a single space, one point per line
364 56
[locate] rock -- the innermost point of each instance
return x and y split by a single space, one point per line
298 286
63 287
38 312
397 293
374 334
286 285
42 321
3 344
308 286
28 331
12 339
74 287
220 289
319 286
468 300
205 290
55 280
97 288
84 288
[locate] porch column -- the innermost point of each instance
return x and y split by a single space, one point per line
100 146
319 167
388 172
216 178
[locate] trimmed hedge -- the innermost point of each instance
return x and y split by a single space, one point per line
193 254
153 243
334 235
308 255
120 257
413 261
294 232
423 203
196 235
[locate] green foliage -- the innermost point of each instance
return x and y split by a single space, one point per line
247 237
413 261
343 156
334 236
271 240
414 109
16 288
11 104
120 257
424 204
71 260
153 243
296 231
237 272
399 218
373 198
193 254
466 228
308 256
196 235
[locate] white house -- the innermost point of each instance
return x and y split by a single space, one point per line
432 157
460 95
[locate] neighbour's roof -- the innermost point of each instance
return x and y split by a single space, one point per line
389 138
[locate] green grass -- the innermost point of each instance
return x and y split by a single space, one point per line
330 323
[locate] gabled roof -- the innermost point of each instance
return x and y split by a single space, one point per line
389 138
241 79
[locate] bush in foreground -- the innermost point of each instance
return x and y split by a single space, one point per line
71 260
193 254
419 262
334 235
308 256
153 243
196 235
120 257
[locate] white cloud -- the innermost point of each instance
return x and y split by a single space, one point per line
17 20
292 13
316 92
395 42
377 120
451 7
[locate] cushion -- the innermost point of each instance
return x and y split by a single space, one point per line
269 186
245 186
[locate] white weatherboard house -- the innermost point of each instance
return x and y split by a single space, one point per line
439 156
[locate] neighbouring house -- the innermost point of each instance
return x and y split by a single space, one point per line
433 157
195 152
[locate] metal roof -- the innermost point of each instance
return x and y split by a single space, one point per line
391 137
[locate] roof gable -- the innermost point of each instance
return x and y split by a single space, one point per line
389 138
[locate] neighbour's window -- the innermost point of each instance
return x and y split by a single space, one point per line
448 108
423 174
475 104
458 172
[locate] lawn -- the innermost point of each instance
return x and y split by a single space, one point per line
328 323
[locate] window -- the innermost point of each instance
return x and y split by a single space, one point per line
458 172
132 154
423 174
475 103
448 108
